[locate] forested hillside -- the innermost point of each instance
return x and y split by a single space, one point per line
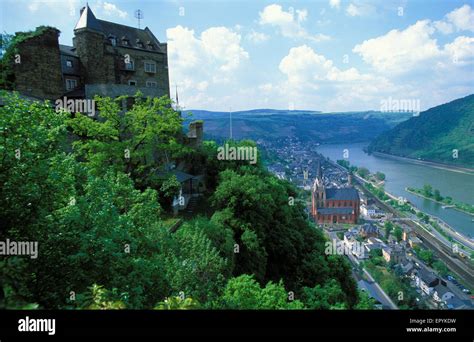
305 125
434 134
101 219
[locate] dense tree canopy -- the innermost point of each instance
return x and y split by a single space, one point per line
100 223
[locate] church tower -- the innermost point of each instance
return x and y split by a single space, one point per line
318 191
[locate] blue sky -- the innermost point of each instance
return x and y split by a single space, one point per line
325 55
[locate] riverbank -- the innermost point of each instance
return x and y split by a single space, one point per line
453 206
437 165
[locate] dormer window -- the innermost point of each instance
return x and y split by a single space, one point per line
125 41
69 63
113 40
150 45
139 43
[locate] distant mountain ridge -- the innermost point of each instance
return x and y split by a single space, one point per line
435 135
306 125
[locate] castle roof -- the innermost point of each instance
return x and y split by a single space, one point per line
88 20
344 194
120 32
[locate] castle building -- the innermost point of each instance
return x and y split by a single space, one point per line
333 205
106 59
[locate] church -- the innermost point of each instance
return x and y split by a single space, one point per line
334 205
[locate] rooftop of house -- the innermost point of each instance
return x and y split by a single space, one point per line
426 276
372 240
441 289
393 249
374 246
368 228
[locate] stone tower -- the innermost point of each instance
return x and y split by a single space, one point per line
97 66
38 71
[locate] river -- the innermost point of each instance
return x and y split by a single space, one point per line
401 174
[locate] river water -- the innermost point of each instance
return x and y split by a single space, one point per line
401 174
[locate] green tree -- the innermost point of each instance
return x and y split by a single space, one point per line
177 303
437 195
195 267
244 292
329 296
100 298
398 233
363 172
380 176
427 190
425 255
137 141
441 268
365 302
388 226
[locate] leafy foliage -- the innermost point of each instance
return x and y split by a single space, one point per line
98 218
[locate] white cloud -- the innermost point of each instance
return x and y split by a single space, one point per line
335 3
462 18
199 62
224 46
288 22
111 10
461 50
257 37
216 47
51 7
443 27
353 10
313 80
399 51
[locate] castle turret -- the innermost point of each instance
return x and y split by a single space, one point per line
89 43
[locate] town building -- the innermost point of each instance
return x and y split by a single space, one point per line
369 230
371 211
414 241
442 293
393 253
106 59
425 280
333 205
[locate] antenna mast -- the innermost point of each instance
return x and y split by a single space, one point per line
230 118
139 16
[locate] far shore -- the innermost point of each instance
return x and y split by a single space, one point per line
451 206
438 165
